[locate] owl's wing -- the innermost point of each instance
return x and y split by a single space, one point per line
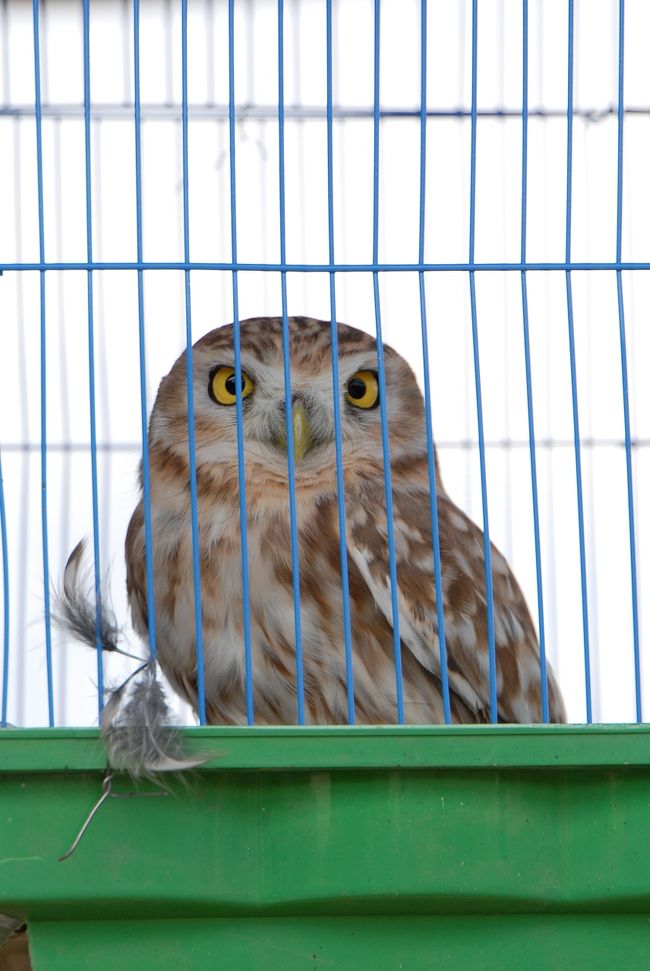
464 601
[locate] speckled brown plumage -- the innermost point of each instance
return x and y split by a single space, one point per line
269 549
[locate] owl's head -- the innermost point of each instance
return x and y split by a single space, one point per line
312 402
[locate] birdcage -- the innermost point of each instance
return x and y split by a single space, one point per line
465 183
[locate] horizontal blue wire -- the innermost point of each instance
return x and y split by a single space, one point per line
146 473
194 505
528 368
477 379
336 386
91 362
388 488
574 380
624 374
433 489
248 661
295 562
43 363
376 267
5 601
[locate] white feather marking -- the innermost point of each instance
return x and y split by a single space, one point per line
425 646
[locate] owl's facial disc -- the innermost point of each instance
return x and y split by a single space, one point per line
311 419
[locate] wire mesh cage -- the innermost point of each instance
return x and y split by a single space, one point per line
464 181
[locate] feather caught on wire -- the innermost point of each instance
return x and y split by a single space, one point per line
136 727
136 723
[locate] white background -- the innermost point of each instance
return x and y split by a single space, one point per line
498 239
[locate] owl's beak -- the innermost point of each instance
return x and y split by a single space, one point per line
302 437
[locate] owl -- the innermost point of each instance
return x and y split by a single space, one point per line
272 632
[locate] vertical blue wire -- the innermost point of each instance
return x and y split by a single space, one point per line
5 595
574 380
146 476
91 360
388 489
529 377
336 390
624 376
477 375
295 568
43 355
248 663
433 489
194 505
24 519
64 380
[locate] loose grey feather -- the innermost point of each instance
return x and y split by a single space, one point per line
137 729
74 608
136 722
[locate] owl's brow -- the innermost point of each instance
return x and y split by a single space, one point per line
365 360
222 362
226 359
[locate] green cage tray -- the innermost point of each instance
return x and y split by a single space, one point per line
336 848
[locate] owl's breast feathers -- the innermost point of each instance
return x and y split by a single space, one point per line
271 604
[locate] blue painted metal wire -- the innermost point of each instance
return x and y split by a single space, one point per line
25 482
529 376
43 355
388 490
331 267
146 475
477 377
91 361
433 491
248 662
574 381
295 563
5 601
191 432
336 386
375 267
624 377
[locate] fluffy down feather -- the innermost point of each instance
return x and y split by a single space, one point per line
136 723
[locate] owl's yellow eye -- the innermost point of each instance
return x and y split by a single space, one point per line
222 386
363 390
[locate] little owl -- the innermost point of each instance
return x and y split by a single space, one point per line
272 633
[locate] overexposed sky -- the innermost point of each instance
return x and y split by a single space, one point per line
498 239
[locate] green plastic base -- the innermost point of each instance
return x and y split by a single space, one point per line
430 848
497 943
